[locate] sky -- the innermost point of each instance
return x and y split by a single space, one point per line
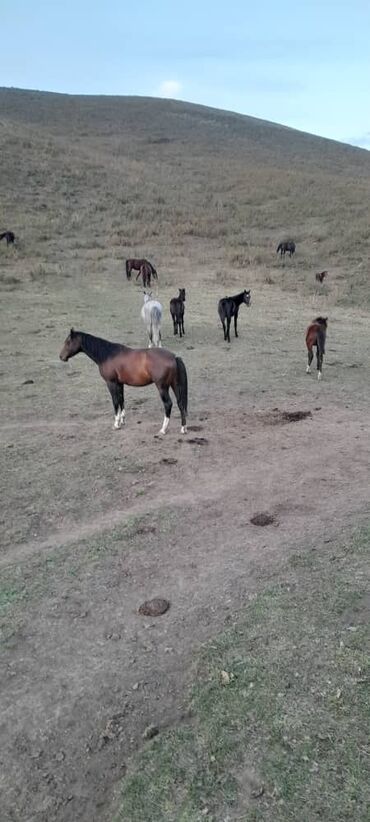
303 63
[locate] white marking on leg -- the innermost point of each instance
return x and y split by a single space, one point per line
319 375
117 420
308 370
123 414
165 425
184 429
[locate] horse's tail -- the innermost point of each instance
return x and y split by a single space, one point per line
181 385
155 325
279 248
128 272
321 337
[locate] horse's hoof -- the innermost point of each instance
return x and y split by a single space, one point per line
319 375
308 370
184 429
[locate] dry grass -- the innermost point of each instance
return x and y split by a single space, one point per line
87 178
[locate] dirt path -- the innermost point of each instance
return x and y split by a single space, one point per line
95 522
103 672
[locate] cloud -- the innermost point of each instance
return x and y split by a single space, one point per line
169 88
363 141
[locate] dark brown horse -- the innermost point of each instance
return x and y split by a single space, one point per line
120 365
9 236
136 265
286 247
146 272
228 307
315 337
177 310
321 276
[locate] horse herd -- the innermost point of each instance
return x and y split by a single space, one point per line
120 365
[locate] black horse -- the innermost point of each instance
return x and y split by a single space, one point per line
286 246
9 236
177 309
229 307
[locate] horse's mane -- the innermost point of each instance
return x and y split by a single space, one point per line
97 348
321 320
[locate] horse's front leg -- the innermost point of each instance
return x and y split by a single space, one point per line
116 392
228 329
236 323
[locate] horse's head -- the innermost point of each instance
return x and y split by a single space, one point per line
182 294
72 346
147 296
247 298
322 321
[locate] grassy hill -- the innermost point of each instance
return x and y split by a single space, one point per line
83 176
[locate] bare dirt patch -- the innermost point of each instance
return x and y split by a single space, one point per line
262 519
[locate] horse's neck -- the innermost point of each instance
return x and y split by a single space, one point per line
95 348
238 299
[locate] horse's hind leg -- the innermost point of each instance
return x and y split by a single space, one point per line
309 361
319 358
167 402
116 392
236 323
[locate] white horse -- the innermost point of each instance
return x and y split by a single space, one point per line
151 314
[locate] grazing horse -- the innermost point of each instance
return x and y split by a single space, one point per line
316 336
120 365
9 236
177 310
151 314
286 246
136 265
321 277
228 307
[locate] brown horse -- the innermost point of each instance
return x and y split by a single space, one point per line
321 276
145 273
120 365
316 336
136 265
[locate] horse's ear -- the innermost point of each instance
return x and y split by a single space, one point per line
72 332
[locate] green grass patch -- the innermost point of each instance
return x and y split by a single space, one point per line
280 710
